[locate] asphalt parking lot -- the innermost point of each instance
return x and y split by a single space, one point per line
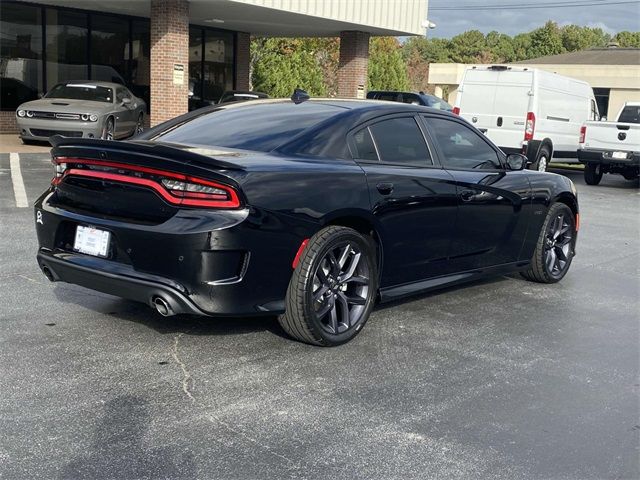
500 379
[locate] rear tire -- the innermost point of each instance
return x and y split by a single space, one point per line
592 173
333 288
543 159
555 248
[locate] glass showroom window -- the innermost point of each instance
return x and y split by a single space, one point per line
218 64
140 60
66 46
20 54
109 48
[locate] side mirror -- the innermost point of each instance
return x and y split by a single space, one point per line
603 118
516 161
126 101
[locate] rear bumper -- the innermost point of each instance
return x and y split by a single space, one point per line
119 281
203 262
604 157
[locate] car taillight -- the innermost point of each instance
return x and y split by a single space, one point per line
456 110
583 133
58 171
530 127
177 189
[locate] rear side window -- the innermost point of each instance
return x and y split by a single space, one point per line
630 114
365 149
250 126
461 146
400 142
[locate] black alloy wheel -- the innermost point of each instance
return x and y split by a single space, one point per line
332 291
555 249
340 288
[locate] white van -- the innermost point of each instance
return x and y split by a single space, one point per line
525 110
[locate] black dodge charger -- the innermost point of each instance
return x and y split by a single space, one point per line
310 210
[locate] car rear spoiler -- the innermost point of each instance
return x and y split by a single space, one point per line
203 156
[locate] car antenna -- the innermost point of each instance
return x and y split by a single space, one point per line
299 96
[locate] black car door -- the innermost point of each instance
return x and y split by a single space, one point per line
493 203
413 199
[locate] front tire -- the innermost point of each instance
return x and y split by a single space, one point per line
108 130
333 288
592 173
555 248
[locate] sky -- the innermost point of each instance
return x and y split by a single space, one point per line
486 15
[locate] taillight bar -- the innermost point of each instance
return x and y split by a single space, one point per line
176 188
530 126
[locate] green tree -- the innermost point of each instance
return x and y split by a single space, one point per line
576 38
282 64
628 39
546 40
501 46
387 70
468 47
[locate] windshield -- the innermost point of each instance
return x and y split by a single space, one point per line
252 126
630 114
73 91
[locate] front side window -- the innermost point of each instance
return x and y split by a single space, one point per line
400 142
79 91
461 146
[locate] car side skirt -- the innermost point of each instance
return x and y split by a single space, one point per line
422 286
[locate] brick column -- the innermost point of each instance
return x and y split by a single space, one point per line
354 61
169 54
243 59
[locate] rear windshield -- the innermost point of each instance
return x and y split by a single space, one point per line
79 91
630 114
250 126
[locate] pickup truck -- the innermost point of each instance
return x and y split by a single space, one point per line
612 147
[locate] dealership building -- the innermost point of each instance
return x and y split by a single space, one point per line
612 72
167 51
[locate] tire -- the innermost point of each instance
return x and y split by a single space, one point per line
337 261
109 130
139 128
592 173
543 159
558 236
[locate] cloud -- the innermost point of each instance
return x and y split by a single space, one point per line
611 18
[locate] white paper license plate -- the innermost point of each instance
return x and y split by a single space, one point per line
619 155
91 241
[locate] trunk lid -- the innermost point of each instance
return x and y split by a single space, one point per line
126 180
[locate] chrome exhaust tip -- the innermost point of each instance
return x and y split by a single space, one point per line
162 306
48 274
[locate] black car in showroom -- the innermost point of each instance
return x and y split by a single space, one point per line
309 210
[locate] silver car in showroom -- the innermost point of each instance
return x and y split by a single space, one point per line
82 109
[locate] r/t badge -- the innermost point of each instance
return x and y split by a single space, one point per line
39 217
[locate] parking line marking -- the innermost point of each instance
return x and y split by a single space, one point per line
18 184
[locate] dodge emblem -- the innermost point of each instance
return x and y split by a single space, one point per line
622 136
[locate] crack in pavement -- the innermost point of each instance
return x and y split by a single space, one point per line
187 385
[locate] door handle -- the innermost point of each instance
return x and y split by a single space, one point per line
385 188
467 195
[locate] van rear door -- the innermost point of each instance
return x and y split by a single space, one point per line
497 102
